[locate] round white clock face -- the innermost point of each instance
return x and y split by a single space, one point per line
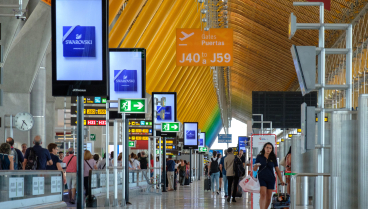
23 121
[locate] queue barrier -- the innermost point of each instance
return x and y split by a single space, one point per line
139 180
24 189
299 194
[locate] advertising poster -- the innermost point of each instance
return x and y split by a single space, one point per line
170 109
79 44
191 135
127 74
202 139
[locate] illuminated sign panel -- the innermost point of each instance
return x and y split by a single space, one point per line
196 47
79 47
190 135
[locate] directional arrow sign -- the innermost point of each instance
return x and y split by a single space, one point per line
133 105
202 149
170 127
131 144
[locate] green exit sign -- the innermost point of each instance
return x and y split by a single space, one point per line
158 152
131 144
170 127
133 105
92 137
202 149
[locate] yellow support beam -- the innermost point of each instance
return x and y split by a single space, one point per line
142 22
124 22
114 7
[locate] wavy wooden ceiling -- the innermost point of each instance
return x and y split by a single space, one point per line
262 58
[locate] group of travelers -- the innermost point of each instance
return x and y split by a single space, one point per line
229 169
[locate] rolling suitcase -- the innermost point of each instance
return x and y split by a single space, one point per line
186 181
280 200
207 184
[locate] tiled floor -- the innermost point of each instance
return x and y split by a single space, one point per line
192 196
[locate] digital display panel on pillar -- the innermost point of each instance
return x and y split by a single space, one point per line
127 73
190 135
169 109
202 139
79 47
242 142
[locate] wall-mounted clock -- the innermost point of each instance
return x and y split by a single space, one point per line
23 121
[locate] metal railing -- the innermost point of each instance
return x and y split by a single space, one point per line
294 196
26 189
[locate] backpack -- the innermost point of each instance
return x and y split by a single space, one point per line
214 166
238 167
15 158
32 160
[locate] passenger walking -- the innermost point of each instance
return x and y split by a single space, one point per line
143 161
222 169
170 173
181 168
71 174
89 164
53 149
266 162
136 163
230 174
16 153
221 176
6 159
152 165
36 157
214 172
24 148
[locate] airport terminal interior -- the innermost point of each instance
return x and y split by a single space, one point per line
257 104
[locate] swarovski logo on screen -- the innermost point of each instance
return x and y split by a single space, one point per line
125 80
190 134
167 112
79 41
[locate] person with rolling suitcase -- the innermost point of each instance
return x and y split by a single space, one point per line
214 172
280 200
266 161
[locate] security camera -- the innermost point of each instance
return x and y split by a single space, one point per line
23 18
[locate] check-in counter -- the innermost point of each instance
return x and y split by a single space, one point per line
25 189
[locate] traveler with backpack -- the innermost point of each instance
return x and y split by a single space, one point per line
6 160
222 169
17 154
71 174
89 164
181 168
214 172
36 157
53 149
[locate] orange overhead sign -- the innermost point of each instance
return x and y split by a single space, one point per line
196 47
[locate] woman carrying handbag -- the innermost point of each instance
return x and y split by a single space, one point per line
266 161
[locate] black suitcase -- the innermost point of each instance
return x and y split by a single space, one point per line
186 182
280 200
207 184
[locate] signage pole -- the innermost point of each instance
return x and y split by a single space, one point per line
164 164
126 135
195 164
107 201
115 203
80 171
199 166
124 160
190 166
154 141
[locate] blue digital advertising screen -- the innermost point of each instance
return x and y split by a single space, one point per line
190 135
242 142
210 153
127 74
202 139
79 47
